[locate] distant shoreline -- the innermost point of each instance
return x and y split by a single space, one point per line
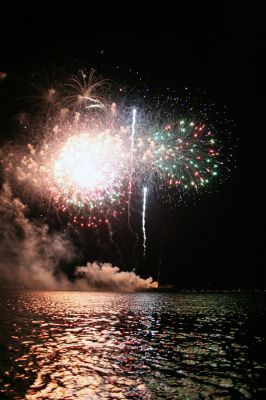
148 290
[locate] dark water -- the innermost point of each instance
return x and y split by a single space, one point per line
68 345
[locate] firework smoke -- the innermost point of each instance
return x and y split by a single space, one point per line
30 256
29 253
106 277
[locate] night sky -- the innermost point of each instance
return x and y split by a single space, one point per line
217 242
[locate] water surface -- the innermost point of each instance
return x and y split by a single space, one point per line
78 345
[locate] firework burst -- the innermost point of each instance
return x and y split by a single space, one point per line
85 91
89 176
184 155
91 156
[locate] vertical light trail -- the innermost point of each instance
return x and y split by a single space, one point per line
145 190
134 112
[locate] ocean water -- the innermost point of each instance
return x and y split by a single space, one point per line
79 345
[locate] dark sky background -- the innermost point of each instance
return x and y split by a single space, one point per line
219 241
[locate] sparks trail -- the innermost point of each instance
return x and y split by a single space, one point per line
131 166
130 183
85 91
145 190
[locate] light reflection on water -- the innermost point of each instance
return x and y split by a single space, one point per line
67 345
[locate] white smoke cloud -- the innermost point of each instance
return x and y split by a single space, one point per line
107 277
30 256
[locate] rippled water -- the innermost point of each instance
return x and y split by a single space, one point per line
67 345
